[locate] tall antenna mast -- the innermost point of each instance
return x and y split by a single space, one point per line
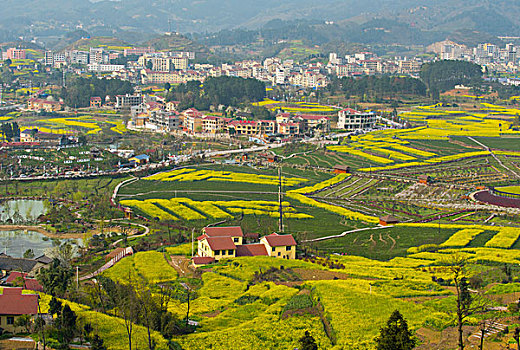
280 199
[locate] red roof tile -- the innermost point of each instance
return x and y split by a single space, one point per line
251 250
221 243
276 240
29 283
232 231
13 302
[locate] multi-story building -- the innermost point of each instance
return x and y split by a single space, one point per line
139 51
314 122
165 121
35 104
289 129
127 101
244 127
100 68
14 54
97 55
77 57
212 124
350 119
409 66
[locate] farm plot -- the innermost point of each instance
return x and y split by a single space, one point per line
186 174
187 209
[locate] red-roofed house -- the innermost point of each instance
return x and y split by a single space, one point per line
18 279
14 304
280 246
226 242
216 247
257 249
35 104
314 122
95 102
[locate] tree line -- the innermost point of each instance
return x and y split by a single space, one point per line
377 87
441 76
79 90
225 90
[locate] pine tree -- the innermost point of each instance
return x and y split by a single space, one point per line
396 335
307 342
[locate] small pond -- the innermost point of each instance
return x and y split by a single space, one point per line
21 210
15 243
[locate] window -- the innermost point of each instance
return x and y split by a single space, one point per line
230 252
10 319
288 247
235 240
273 249
217 252
279 253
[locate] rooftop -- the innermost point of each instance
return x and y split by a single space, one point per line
276 240
13 302
257 249
232 231
221 243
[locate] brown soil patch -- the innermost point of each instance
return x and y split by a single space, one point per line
212 314
317 275
300 312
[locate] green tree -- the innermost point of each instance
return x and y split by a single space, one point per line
307 342
55 306
56 279
97 343
24 321
28 254
395 335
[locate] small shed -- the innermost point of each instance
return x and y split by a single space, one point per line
388 220
341 169
424 179
202 260
271 158
128 213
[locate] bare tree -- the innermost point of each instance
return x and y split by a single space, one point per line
467 304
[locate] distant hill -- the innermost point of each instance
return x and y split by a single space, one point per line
107 42
175 42
406 21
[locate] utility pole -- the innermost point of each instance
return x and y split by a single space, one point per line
280 200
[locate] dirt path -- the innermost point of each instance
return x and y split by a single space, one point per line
180 264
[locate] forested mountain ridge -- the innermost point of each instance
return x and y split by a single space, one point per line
417 20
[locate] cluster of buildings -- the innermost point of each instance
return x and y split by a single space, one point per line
368 63
495 58
146 66
158 117
217 243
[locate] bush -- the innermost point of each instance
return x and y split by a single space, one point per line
246 299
